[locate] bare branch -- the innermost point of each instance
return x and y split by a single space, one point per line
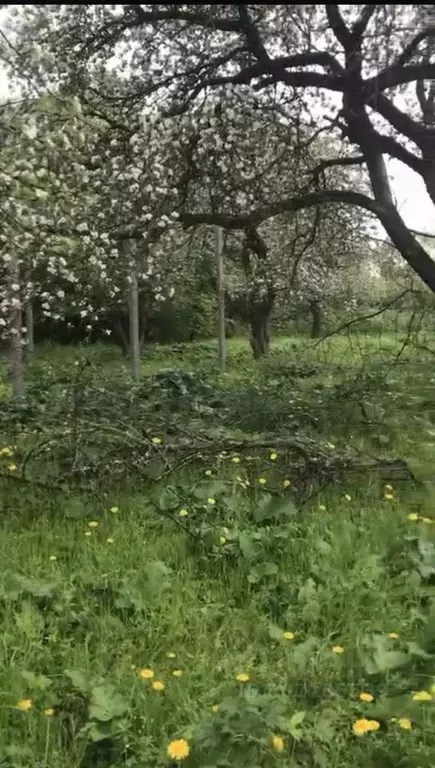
337 161
364 317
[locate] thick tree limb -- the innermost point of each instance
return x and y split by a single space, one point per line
253 39
288 205
339 28
398 119
363 19
173 13
409 51
393 76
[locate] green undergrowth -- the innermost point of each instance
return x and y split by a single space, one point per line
297 615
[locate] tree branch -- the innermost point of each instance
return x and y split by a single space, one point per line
255 43
289 205
395 75
363 19
173 13
410 49
398 119
363 317
337 161
341 32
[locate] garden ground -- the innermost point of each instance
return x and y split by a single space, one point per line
176 586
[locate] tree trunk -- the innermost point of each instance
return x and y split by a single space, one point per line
30 347
16 365
316 319
259 322
133 314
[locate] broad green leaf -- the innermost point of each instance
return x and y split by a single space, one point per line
79 679
106 704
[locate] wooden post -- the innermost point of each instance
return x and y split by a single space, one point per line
30 327
221 297
15 331
133 313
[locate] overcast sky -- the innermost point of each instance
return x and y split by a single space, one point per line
414 202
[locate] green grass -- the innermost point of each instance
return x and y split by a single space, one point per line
218 588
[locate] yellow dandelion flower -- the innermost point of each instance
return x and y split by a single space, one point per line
53 558
388 488
88 533
49 712
262 481
6 451
393 635
157 685
93 524
422 696
183 513
12 467
236 459
289 635
114 510
347 497
156 440
273 456
208 473
146 674
427 520
413 517
242 677
222 539
24 704
322 508
364 696
178 673
110 541
362 726
337 649
178 749
170 655
388 496
278 743
286 483
373 725
215 708
211 501
405 723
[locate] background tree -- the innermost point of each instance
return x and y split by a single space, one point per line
343 67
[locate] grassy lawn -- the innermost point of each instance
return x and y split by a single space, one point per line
229 601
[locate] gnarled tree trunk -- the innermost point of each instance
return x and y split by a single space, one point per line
259 322
316 318
260 309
